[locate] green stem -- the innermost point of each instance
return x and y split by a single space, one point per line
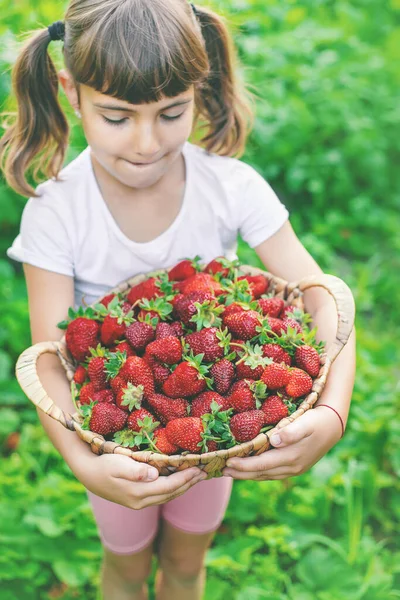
73 386
240 345
264 429
152 444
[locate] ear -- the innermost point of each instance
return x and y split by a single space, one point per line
69 88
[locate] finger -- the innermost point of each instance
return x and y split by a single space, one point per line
293 433
161 499
264 462
167 485
132 470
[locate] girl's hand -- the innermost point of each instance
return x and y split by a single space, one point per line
123 480
302 444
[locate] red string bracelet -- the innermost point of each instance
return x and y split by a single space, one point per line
334 409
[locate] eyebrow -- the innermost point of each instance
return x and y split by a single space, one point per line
123 108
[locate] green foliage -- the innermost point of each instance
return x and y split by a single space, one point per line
326 79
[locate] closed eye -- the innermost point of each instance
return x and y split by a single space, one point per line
167 118
120 121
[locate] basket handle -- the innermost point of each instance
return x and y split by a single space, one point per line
345 306
28 379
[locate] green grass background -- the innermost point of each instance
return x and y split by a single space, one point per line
326 137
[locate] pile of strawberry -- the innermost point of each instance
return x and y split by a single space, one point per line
191 360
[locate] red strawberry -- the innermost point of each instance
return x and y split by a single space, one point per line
106 418
126 307
244 371
81 335
186 433
215 266
291 323
209 341
166 350
299 384
212 446
275 376
80 375
223 373
288 310
276 325
152 311
245 426
136 416
117 383
185 381
241 397
184 269
177 328
271 306
107 299
277 353
201 404
96 371
137 371
233 347
162 442
251 363
123 347
164 330
146 289
258 284
176 299
203 282
167 409
307 358
86 393
274 409
235 307
160 372
103 396
184 306
243 324
139 334
112 329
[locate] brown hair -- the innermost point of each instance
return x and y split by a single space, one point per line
136 50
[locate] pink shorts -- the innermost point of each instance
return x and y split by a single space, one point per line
200 510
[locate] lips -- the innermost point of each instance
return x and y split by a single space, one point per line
143 163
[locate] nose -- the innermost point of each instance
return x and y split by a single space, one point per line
147 147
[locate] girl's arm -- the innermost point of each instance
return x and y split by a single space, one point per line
309 437
50 295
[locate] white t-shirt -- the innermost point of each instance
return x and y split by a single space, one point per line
70 230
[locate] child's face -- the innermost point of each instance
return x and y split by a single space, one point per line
146 133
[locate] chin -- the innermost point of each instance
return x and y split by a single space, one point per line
140 181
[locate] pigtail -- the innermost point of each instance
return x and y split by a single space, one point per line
40 125
224 103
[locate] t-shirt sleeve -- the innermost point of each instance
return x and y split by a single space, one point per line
261 213
43 240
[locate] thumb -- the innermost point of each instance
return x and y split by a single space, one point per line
133 470
290 434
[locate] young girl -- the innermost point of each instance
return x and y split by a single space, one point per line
143 75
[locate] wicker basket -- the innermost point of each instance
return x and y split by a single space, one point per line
211 462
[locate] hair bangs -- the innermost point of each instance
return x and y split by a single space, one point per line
141 58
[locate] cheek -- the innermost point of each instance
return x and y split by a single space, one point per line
180 129
103 138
